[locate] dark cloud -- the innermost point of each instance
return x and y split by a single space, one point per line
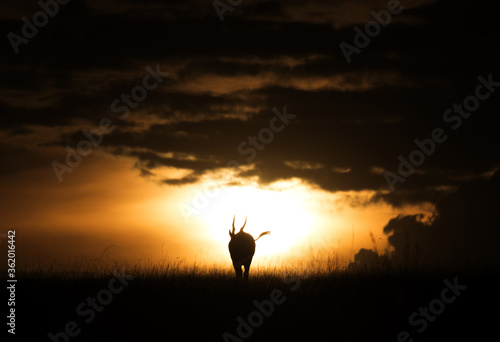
462 234
226 77
15 159
465 230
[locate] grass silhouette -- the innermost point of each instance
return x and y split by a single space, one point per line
326 299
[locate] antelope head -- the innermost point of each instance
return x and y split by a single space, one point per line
231 233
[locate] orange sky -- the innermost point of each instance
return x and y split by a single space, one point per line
104 203
316 179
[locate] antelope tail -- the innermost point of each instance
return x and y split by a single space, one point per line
265 233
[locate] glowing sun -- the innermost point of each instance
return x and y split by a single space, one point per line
281 208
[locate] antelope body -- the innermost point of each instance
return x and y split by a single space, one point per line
242 249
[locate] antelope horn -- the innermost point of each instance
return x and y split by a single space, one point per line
243 224
233 222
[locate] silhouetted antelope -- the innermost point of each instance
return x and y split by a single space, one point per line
242 249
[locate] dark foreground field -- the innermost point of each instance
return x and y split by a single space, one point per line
340 306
